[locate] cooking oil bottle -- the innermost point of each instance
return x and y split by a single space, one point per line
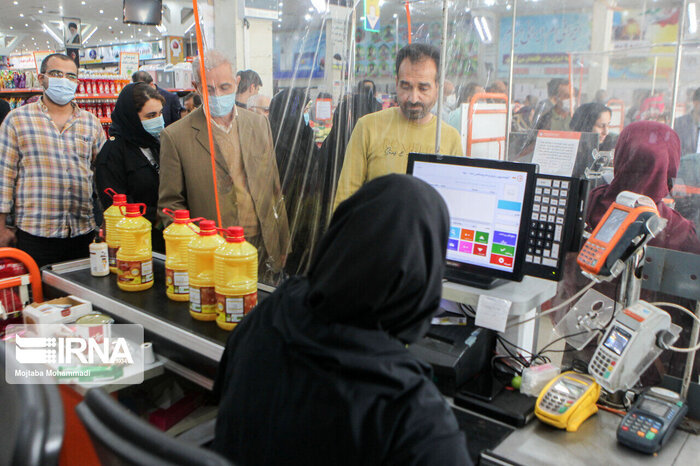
178 236
236 278
135 256
112 216
200 268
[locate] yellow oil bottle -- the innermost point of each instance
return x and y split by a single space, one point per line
112 216
200 258
235 278
135 256
178 236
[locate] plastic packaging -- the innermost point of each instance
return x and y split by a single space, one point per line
178 236
135 256
99 257
200 268
236 278
112 216
535 378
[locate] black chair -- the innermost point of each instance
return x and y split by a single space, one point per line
121 438
31 424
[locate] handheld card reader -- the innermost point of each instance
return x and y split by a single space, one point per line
630 222
652 420
568 400
633 341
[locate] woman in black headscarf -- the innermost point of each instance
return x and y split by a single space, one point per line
595 118
319 373
128 162
300 174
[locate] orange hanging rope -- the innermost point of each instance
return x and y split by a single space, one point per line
408 21
205 103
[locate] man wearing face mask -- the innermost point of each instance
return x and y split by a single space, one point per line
247 177
381 141
47 150
555 112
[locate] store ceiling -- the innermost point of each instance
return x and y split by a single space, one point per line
26 18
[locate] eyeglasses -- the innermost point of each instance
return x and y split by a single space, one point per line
61 74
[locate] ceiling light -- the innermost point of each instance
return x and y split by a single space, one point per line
692 18
116 19
15 2
21 15
307 17
320 5
83 2
26 25
41 11
110 28
102 11
12 27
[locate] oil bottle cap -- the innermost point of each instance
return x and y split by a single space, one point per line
134 210
207 228
119 199
235 235
182 216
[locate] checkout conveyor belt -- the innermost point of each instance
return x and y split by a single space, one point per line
193 344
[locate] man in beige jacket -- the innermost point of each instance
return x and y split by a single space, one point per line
246 171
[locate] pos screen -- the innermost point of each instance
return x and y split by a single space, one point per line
607 231
490 204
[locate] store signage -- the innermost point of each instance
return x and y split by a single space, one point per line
128 64
39 57
22 62
174 50
371 22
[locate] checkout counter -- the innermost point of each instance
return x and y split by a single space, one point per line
192 349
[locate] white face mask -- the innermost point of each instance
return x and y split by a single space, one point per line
566 105
451 101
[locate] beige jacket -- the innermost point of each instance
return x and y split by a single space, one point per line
186 180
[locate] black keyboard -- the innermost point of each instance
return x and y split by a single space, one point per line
555 226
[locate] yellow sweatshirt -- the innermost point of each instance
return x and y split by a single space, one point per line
380 144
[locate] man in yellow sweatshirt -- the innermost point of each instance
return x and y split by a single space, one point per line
381 141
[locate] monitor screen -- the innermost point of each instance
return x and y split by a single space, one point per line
611 225
143 12
490 204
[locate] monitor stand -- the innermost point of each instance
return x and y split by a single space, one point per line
472 279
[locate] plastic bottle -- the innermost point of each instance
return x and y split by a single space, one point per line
178 236
236 278
201 271
99 261
112 216
135 256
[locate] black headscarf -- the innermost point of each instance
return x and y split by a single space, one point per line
126 123
381 262
586 115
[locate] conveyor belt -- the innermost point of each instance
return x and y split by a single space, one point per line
196 345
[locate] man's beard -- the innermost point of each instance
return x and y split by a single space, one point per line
414 111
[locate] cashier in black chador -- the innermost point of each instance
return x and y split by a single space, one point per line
319 372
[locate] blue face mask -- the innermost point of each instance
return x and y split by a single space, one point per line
221 105
154 126
61 90
306 118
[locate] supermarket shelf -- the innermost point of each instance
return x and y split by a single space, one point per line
20 91
95 96
105 121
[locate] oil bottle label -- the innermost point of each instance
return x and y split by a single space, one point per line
135 272
176 282
112 253
234 308
202 299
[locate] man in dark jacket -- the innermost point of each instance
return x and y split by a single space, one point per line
172 107
688 126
